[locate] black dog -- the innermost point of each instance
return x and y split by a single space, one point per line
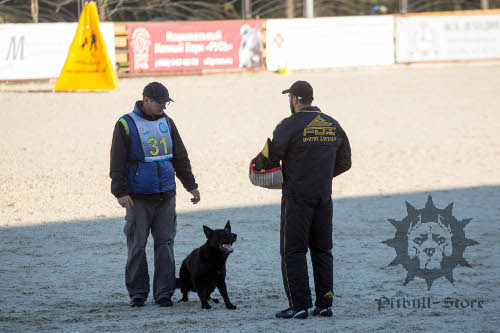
204 268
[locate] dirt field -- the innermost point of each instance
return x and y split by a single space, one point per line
414 131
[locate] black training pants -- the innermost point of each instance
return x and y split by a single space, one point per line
306 224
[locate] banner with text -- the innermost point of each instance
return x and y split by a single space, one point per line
186 46
36 51
329 42
437 38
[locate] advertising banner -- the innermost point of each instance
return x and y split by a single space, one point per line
437 38
187 46
36 51
329 42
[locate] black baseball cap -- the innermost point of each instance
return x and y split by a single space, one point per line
158 92
300 89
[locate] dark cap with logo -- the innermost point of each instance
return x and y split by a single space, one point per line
300 89
158 92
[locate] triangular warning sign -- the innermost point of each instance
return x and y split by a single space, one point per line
87 65
319 122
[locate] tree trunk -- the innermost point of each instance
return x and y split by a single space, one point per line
290 9
102 5
34 10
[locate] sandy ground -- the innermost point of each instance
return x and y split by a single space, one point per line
414 131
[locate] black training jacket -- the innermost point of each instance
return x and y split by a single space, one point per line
314 149
118 164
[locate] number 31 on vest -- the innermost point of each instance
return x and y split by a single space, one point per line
154 145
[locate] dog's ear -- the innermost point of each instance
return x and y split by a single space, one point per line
207 231
228 226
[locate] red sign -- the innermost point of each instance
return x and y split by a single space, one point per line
161 47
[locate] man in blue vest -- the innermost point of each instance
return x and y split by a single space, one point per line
146 154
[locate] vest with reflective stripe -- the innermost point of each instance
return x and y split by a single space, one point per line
149 168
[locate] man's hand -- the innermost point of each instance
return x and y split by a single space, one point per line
126 201
196 196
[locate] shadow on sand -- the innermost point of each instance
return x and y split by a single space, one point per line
69 276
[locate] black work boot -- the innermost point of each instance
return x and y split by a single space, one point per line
291 313
165 302
137 302
323 312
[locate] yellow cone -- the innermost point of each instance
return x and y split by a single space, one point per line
283 70
88 65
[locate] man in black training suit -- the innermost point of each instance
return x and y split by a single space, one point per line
313 149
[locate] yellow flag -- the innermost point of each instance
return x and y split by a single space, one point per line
87 65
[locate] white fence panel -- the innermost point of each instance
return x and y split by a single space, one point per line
330 42
35 51
440 38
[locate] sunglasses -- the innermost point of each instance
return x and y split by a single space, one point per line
159 104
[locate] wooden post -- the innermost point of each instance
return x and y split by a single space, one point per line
290 9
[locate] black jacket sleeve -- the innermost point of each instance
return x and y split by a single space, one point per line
118 161
180 161
282 135
343 159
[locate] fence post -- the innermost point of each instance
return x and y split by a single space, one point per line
403 6
484 4
246 9
308 8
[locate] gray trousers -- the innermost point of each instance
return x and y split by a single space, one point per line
160 218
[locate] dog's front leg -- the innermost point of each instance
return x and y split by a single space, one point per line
221 285
203 295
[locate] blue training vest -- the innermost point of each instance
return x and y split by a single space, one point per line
149 168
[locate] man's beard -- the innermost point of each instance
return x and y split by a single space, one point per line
151 116
292 109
